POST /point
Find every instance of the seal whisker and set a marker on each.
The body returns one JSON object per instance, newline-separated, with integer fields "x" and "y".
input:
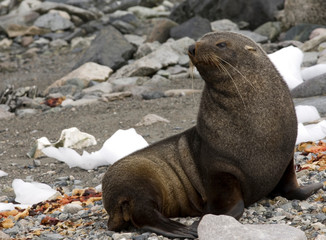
{"x": 237, "y": 72}
{"x": 234, "y": 83}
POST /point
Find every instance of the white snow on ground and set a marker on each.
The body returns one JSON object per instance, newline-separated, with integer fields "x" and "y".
{"x": 119, "y": 145}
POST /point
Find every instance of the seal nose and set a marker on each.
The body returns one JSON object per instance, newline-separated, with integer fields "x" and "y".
{"x": 192, "y": 49}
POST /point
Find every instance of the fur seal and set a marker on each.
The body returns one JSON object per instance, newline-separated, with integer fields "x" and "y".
{"x": 240, "y": 150}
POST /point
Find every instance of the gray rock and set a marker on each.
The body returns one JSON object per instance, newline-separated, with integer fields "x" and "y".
{"x": 319, "y": 102}
{"x": 158, "y": 81}
{"x": 309, "y": 59}
{"x": 270, "y": 29}
{"x": 146, "y": 49}
{"x": 254, "y": 36}
{"x": 235, "y": 10}
{"x": 85, "y": 15}
{"x": 224, "y": 25}
{"x": 194, "y": 28}
{"x": 125, "y": 4}
{"x": 213, "y": 227}
{"x": 313, "y": 87}
{"x": 109, "y": 48}
{"x": 166, "y": 55}
{"x": 53, "y": 21}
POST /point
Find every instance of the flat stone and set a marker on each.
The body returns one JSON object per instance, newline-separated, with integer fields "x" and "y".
{"x": 213, "y": 227}
{"x": 26, "y": 111}
{"x": 15, "y": 30}
{"x": 109, "y": 48}
{"x": 80, "y": 102}
{"x": 88, "y": 72}
{"x": 134, "y": 39}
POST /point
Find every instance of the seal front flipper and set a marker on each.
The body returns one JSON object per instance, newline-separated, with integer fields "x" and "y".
{"x": 156, "y": 222}
{"x": 225, "y": 195}
{"x": 289, "y": 188}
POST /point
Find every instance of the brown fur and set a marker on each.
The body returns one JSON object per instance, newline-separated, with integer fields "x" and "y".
{"x": 240, "y": 151}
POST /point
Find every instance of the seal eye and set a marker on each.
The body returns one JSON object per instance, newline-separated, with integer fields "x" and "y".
{"x": 221, "y": 44}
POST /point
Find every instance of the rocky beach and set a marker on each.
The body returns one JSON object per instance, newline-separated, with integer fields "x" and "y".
{"x": 101, "y": 66}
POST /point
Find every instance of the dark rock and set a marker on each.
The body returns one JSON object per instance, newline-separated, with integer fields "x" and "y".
{"x": 313, "y": 87}
{"x": 194, "y": 28}
{"x": 301, "y": 32}
{"x": 255, "y": 12}
{"x": 56, "y": 35}
{"x": 109, "y": 48}
{"x": 161, "y": 30}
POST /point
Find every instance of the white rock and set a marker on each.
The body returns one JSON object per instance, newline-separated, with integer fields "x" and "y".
{"x": 313, "y": 71}
{"x": 224, "y": 25}
{"x": 89, "y": 71}
{"x": 144, "y": 12}
{"x": 119, "y": 145}
{"x": 3, "y": 174}
{"x": 32, "y": 193}
{"x": 150, "y": 119}
{"x": 288, "y": 61}
{"x": 306, "y": 113}
{"x": 72, "y": 208}
{"x": 222, "y": 227}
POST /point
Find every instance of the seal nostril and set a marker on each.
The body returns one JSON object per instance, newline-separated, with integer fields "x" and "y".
{"x": 192, "y": 50}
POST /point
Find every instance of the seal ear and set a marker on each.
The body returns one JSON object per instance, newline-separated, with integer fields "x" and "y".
{"x": 250, "y": 48}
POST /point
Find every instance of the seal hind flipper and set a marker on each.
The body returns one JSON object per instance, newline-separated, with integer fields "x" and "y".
{"x": 289, "y": 188}
{"x": 152, "y": 220}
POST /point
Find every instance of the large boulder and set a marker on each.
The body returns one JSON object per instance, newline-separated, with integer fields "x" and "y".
{"x": 255, "y": 12}
{"x": 303, "y": 11}
{"x": 109, "y": 48}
